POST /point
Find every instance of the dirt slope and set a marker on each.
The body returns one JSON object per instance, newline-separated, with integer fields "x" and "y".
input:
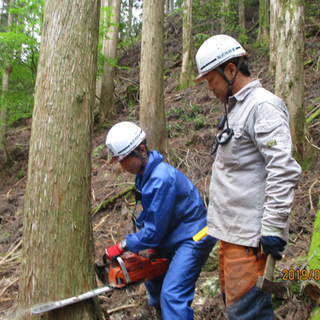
{"x": 191, "y": 116}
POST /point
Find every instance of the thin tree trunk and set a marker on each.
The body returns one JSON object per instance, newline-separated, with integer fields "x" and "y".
{"x": 263, "y": 35}
{"x": 242, "y": 19}
{"x": 110, "y": 52}
{"x": 224, "y": 9}
{"x": 289, "y": 68}
{"x": 129, "y": 19}
{"x": 4, "y": 106}
{"x": 187, "y": 71}
{"x": 273, "y": 38}
{"x": 167, "y": 7}
{"x": 57, "y": 254}
{"x": 152, "y": 113}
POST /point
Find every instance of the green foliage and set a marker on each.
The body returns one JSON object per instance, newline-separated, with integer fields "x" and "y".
{"x": 315, "y": 315}
{"x": 200, "y": 38}
{"x": 136, "y": 23}
{"x": 106, "y": 21}
{"x": 314, "y": 251}
{"x": 212, "y": 262}
{"x": 189, "y": 114}
{"x": 211, "y": 287}
{"x": 20, "y": 175}
{"x": 20, "y": 44}
{"x": 243, "y": 38}
{"x": 4, "y": 237}
{"x": 206, "y": 16}
{"x": 312, "y": 10}
{"x": 97, "y": 150}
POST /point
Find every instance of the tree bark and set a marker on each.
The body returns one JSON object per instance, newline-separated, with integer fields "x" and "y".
{"x": 167, "y": 10}
{"x": 171, "y": 6}
{"x": 109, "y": 49}
{"x": 4, "y": 105}
{"x": 242, "y": 19}
{"x": 129, "y": 19}
{"x": 152, "y": 113}
{"x": 58, "y": 254}
{"x": 224, "y": 10}
{"x": 289, "y": 67}
{"x": 273, "y": 38}
{"x": 187, "y": 71}
{"x": 263, "y": 35}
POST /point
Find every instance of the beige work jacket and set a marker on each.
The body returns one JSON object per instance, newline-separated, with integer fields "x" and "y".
{"x": 254, "y": 175}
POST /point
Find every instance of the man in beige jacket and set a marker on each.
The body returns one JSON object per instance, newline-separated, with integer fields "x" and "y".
{"x": 253, "y": 176}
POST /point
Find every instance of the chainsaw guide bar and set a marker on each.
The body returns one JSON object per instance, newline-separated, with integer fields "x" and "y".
{"x": 58, "y": 304}
{"x": 128, "y": 269}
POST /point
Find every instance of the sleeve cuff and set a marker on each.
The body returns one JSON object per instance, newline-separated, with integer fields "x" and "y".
{"x": 272, "y": 231}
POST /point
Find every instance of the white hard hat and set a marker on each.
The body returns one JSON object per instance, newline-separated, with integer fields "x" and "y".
{"x": 214, "y": 52}
{"x": 123, "y": 138}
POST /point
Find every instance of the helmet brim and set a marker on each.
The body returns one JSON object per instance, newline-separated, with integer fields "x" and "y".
{"x": 200, "y": 78}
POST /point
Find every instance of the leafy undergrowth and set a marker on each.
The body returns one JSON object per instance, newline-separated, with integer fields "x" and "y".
{"x": 192, "y": 116}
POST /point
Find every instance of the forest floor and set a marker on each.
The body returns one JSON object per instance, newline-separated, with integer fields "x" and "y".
{"x": 191, "y": 115}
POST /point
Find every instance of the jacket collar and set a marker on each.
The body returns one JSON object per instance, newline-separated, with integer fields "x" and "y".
{"x": 153, "y": 160}
{"x": 242, "y": 94}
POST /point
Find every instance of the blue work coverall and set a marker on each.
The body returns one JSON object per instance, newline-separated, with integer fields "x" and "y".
{"x": 173, "y": 212}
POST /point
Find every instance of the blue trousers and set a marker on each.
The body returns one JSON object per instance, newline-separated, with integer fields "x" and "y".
{"x": 174, "y": 291}
{"x": 253, "y": 305}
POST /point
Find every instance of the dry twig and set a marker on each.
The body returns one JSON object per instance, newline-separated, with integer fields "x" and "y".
{"x": 10, "y": 284}
{"x": 10, "y": 253}
{"x": 310, "y": 194}
{"x": 101, "y": 222}
{"x": 120, "y": 308}
{"x": 305, "y": 265}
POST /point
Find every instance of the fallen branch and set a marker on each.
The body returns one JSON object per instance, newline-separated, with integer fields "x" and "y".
{"x": 313, "y": 116}
{"x": 111, "y": 200}
{"x": 310, "y": 194}
{"x": 10, "y": 253}
{"x": 10, "y": 284}
{"x": 313, "y": 110}
{"x": 120, "y": 308}
{"x": 305, "y": 265}
{"x": 101, "y": 222}
{"x": 314, "y": 146}
{"x": 10, "y": 261}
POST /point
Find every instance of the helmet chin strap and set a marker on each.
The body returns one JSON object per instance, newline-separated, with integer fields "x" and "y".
{"x": 230, "y": 82}
{"x": 143, "y": 158}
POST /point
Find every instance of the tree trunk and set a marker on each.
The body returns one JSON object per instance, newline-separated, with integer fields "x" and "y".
{"x": 129, "y": 19}
{"x": 263, "y": 35}
{"x": 187, "y": 71}
{"x": 5, "y": 88}
{"x": 224, "y": 10}
{"x": 242, "y": 22}
{"x": 152, "y": 114}
{"x": 171, "y": 6}
{"x": 110, "y": 51}
{"x": 273, "y": 38}
{"x": 289, "y": 68}
{"x": 58, "y": 256}
{"x": 167, "y": 7}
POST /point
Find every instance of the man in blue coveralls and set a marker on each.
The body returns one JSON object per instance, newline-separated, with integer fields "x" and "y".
{"x": 173, "y": 212}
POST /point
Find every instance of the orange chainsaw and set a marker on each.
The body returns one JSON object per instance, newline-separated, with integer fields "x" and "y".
{"x": 127, "y": 269}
